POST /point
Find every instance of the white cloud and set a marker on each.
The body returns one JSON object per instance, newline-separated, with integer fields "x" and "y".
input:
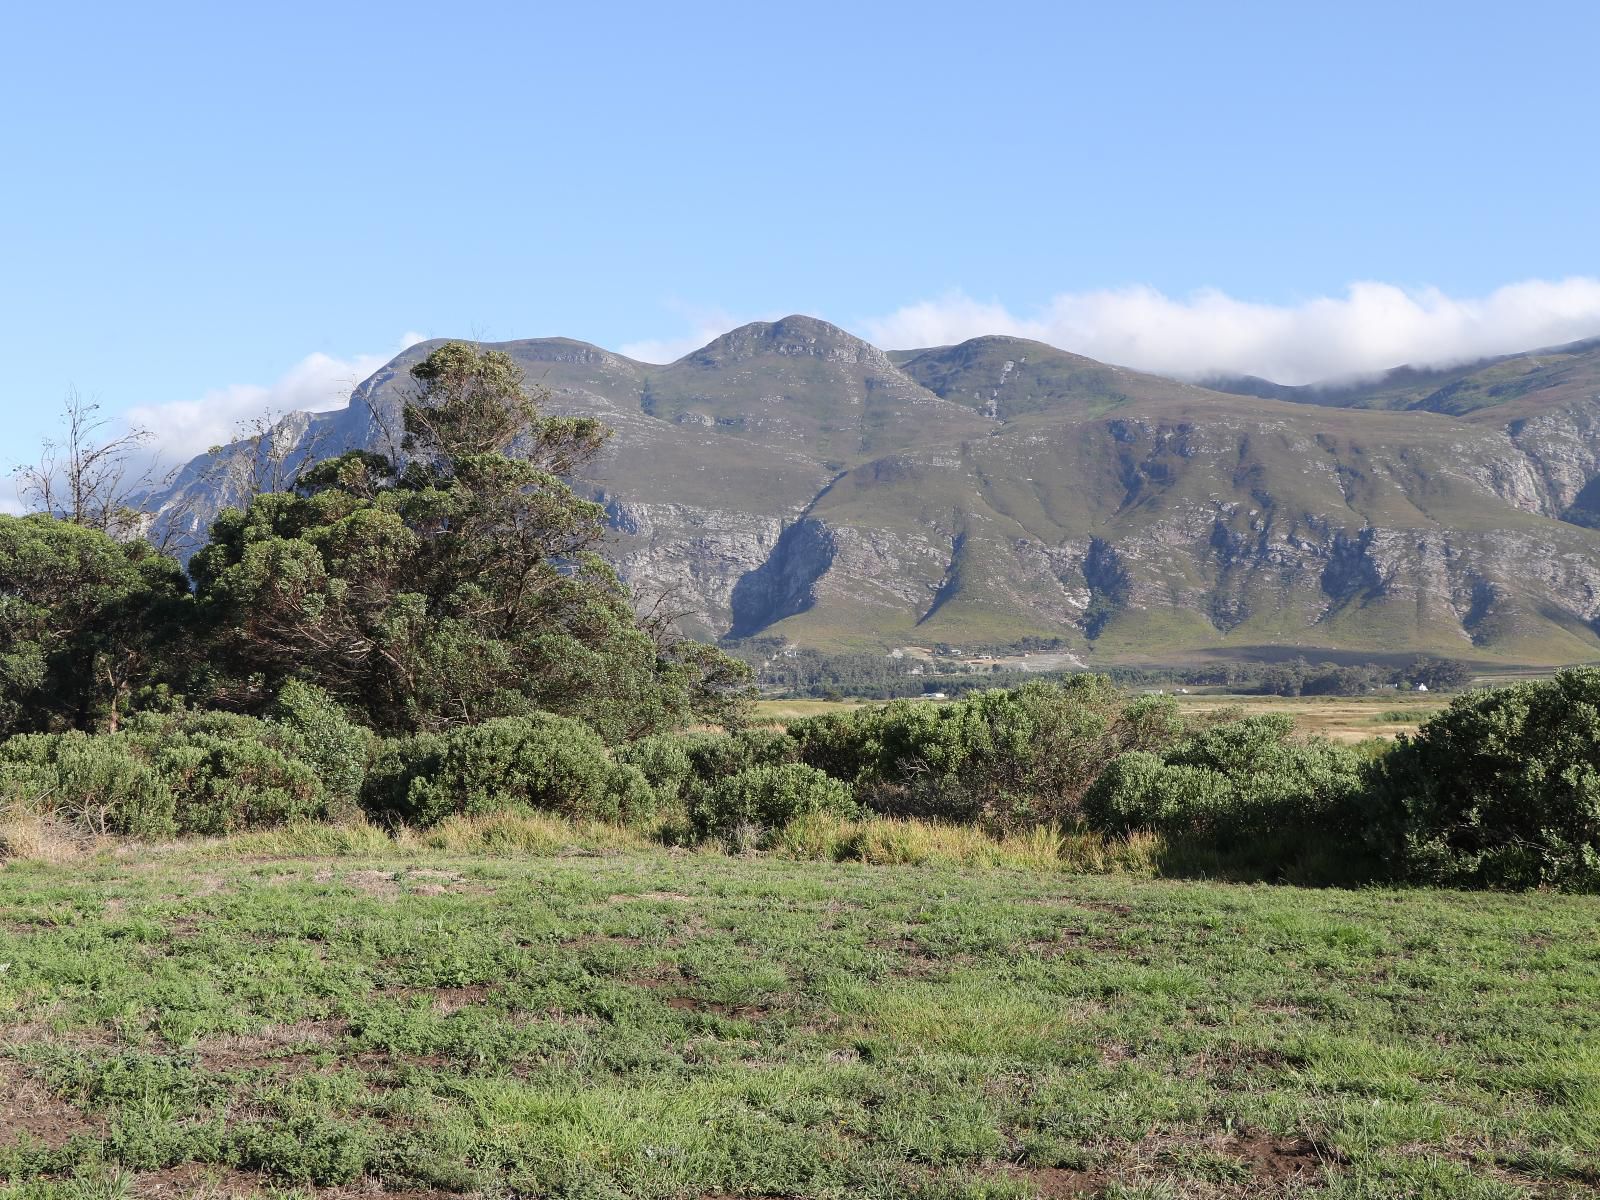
{"x": 12, "y": 507}
{"x": 182, "y": 429}
{"x": 1372, "y": 327}
{"x": 705, "y": 325}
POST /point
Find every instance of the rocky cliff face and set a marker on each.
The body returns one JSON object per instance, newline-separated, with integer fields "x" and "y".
{"x": 790, "y": 479}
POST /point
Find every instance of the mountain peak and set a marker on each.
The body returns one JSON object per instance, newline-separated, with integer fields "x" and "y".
{"x": 795, "y": 336}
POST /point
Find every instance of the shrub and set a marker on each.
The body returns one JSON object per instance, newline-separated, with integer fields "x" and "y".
{"x": 228, "y": 772}
{"x": 1005, "y": 758}
{"x": 662, "y": 759}
{"x": 629, "y": 794}
{"x": 682, "y": 767}
{"x": 99, "y": 783}
{"x": 399, "y": 775}
{"x": 714, "y": 757}
{"x": 167, "y": 773}
{"x": 1243, "y": 789}
{"x": 544, "y": 762}
{"x": 327, "y": 739}
{"x": 1502, "y": 789}
{"x": 760, "y": 800}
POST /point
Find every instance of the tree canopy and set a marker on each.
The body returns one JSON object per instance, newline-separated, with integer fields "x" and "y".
{"x": 84, "y": 619}
{"x": 457, "y": 584}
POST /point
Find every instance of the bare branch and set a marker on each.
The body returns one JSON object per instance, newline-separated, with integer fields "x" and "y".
{"x": 89, "y": 478}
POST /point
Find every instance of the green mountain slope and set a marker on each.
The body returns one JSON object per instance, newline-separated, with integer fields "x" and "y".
{"x": 790, "y": 479}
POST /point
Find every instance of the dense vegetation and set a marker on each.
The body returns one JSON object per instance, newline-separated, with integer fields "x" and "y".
{"x": 452, "y": 582}
{"x": 430, "y": 635}
{"x": 1498, "y": 790}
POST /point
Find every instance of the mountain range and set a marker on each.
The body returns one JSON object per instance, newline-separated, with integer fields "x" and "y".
{"x": 794, "y": 481}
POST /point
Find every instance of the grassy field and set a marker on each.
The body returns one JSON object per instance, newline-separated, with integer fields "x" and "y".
{"x": 266, "y": 1014}
{"x": 1342, "y": 718}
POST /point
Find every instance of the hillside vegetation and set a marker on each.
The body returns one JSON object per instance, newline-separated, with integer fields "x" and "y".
{"x": 431, "y": 635}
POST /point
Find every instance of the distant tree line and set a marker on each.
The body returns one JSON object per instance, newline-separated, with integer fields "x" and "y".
{"x": 801, "y": 671}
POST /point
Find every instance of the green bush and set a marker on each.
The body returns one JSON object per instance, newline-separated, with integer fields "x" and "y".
{"x": 166, "y": 774}
{"x": 544, "y": 762}
{"x": 399, "y": 778}
{"x": 682, "y": 767}
{"x": 759, "y": 801}
{"x": 662, "y": 759}
{"x": 714, "y": 757}
{"x": 327, "y": 739}
{"x": 229, "y": 772}
{"x": 1502, "y": 789}
{"x": 100, "y": 783}
{"x": 1242, "y": 789}
{"x": 1003, "y": 758}
{"x": 629, "y": 794}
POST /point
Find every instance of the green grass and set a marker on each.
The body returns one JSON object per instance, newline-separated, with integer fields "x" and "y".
{"x": 581, "y": 1015}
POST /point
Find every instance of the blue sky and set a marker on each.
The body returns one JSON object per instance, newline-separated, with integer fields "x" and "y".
{"x": 209, "y": 208}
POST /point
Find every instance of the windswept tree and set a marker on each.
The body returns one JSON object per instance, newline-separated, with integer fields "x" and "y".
{"x": 455, "y": 585}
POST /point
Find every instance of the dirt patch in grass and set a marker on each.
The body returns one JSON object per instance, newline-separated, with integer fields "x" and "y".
{"x": 657, "y": 977}
{"x": 33, "y": 1033}
{"x": 1271, "y": 1159}
{"x": 588, "y": 941}
{"x": 739, "y": 1012}
{"x": 443, "y": 999}
{"x": 673, "y": 897}
{"x": 28, "y": 1112}
{"x": 1054, "y": 1183}
{"x": 269, "y": 1047}
{"x": 198, "y": 1179}
{"x": 390, "y": 885}
{"x": 1070, "y": 939}
{"x": 215, "y": 1183}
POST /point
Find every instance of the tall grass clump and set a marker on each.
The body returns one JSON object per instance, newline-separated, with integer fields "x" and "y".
{"x": 896, "y": 841}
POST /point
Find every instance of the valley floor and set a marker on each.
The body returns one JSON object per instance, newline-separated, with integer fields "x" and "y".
{"x": 1342, "y": 718}
{"x": 228, "y": 1019}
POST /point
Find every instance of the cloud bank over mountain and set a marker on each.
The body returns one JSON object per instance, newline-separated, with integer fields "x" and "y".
{"x": 1372, "y": 327}
{"x": 182, "y": 429}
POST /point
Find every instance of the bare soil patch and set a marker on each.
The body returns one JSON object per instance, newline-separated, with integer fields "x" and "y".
{"x": 1271, "y": 1159}
{"x": 1055, "y": 1183}
{"x": 29, "y": 1112}
{"x": 443, "y": 999}
{"x": 390, "y": 885}
{"x": 269, "y": 1047}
